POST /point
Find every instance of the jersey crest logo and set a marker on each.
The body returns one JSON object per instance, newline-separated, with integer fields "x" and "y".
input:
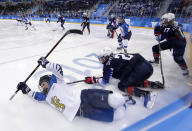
{"x": 56, "y": 102}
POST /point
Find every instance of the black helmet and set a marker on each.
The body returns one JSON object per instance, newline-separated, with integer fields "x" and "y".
{"x": 45, "y": 78}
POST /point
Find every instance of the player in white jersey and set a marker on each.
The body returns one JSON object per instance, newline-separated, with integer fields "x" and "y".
{"x": 96, "y": 104}
{"x": 125, "y": 34}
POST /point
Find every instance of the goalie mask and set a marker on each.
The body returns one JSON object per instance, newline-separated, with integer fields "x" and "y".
{"x": 104, "y": 55}
{"x": 43, "y": 87}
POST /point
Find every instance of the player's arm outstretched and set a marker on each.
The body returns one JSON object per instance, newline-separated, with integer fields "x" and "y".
{"x": 56, "y": 69}
{"x": 56, "y": 77}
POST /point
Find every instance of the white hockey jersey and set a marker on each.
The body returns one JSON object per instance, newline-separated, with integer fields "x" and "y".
{"x": 60, "y": 96}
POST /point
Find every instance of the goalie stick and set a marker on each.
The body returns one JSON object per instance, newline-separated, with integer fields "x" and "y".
{"x": 67, "y": 33}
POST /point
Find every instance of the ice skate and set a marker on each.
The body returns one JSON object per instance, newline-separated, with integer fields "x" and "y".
{"x": 120, "y": 47}
{"x": 149, "y": 99}
{"x": 129, "y": 100}
{"x": 185, "y": 73}
{"x": 156, "y": 85}
{"x": 155, "y": 62}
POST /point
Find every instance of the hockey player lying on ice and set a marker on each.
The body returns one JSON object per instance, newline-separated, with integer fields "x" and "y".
{"x": 96, "y": 104}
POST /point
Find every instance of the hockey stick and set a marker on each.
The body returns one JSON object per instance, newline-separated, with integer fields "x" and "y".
{"x": 56, "y": 28}
{"x": 81, "y": 81}
{"x": 161, "y": 65}
{"x": 68, "y": 32}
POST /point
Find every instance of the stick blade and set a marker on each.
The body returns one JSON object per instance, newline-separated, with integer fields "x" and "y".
{"x": 76, "y": 31}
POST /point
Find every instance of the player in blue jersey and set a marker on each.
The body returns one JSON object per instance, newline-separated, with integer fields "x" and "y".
{"x": 125, "y": 34}
{"x": 170, "y": 31}
{"x": 85, "y": 22}
{"x": 28, "y": 24}
{"x": 62, "y": 20}
{"x": 96, "y": 104}
{"x": 132, "y": 70}
{"x": 110, "y": 26}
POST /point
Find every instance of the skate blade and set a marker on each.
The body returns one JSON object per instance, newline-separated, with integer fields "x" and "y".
{"x": 151, "y": 103}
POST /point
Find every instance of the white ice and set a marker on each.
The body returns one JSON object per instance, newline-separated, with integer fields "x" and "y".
{"x": 20, "y": 50}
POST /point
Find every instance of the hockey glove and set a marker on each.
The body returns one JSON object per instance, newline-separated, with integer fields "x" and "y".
{"x": 23, "y": 87}
{"x": 83, "y": 23}
{"x": 43, "y": 62}
{"x": 91, "y": 80}
{"x": 158, "y": 37}
{"x": 114, "y": 27}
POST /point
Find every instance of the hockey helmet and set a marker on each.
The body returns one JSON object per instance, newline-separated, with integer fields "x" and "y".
{"x": 121, "y": 19}
{"x": 45, "y": 78}
{"x": 84, "y": 14}
{"x": 167, "y": 19}
{"x": 112, "y": 16}
{"x": 104, "y": 54}
{"x": 171, "y": 16}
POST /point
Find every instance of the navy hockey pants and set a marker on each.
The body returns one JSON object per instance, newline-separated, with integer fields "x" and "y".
{"x": 137, "y": 76}
{"x": 178, "y": 50}
{"x": 94, "y": 105}
{"x": 88, "y": 27}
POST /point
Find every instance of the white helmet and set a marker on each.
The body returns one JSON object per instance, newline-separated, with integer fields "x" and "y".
{"x": 112, "y": 15}
{"x": 84, "y": 14}
{"x": 167, "y": 18}
{"x": 104, "y": 54}
{"x": 171, "y": 16}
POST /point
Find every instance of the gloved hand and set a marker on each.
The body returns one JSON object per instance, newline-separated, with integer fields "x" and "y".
{"x": 83, "y": 23}
{"x": 91, "y": 80}
{"x": 23, "y": 87}
{"x": 108, "y": 26}
{"x": 114, "y": 27}
{"x": 43, "y": 61}
{"x": 158, "y": 37}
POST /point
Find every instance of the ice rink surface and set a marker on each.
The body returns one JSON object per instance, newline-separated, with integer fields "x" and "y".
{"x": 20, "y": 49}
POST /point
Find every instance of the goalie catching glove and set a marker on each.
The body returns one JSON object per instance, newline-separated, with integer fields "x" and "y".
{"x": 23, "y": 87}
{"x": 91, "y": 80}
